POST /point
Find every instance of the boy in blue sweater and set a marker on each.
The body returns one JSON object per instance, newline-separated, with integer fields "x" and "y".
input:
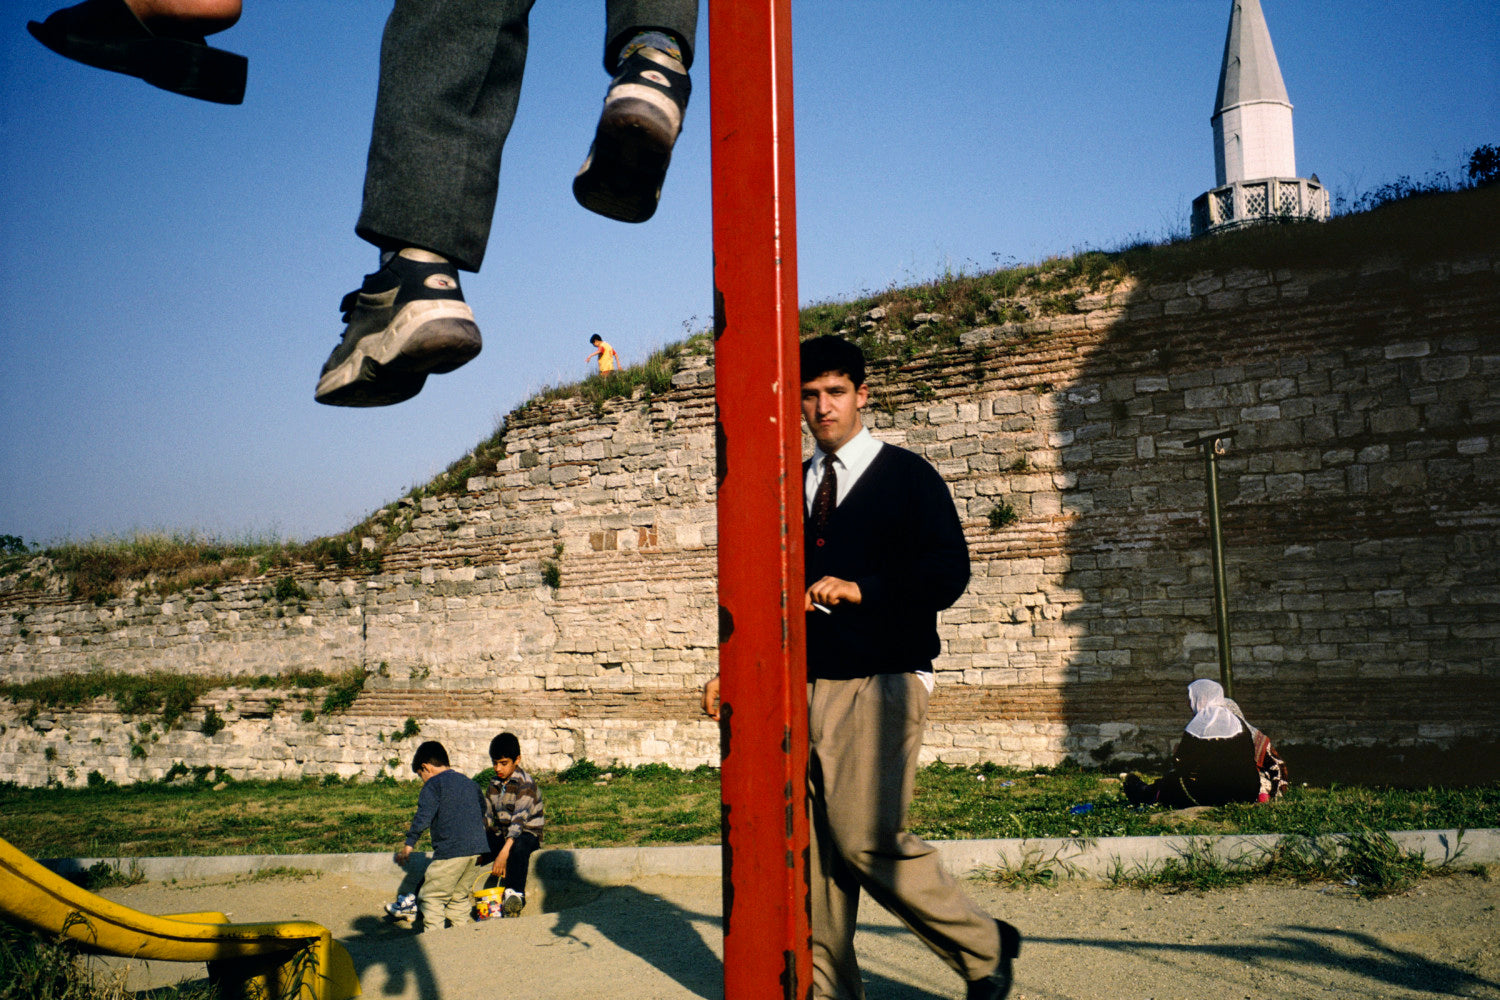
{"x": 451, "y": 805}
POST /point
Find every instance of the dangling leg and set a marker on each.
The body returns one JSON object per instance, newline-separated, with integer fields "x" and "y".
{"x": 450, "y": 78}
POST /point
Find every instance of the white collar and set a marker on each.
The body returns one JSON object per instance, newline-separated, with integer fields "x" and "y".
{"x": 855, "y": 455}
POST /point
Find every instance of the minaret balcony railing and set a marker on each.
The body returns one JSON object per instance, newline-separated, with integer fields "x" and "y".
{"x": 1269, "y": 199}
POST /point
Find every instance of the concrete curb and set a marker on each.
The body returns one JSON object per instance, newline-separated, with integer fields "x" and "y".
{"x": 622, "y": 865}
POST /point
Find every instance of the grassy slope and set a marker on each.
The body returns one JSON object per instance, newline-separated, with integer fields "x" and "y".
{"x": 1413, "y": 230}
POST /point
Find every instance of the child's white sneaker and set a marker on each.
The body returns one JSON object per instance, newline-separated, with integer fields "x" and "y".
{"x": 405, "y": 907}
{"x": 512, "y": 903}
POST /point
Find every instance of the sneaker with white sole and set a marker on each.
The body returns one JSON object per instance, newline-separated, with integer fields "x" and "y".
{"x": 512, "y": 903}
{"x": 404, "y": 907}
{"x": 622, "y": 175}
{"x": 408, "y": 320}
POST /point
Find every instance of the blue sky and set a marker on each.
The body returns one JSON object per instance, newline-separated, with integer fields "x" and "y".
{"x": 173, "y": 269}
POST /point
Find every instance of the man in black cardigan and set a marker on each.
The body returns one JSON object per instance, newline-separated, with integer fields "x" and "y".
{"x": 884, "y": 553}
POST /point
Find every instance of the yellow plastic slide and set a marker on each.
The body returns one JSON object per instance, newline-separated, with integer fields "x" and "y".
{"x": 291, "y": 961}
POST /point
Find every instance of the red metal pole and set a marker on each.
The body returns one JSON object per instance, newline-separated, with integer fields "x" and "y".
{"x": 762, "y": 659}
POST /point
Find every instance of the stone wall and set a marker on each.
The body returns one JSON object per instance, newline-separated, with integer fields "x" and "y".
{"x": 1360, "y": 497}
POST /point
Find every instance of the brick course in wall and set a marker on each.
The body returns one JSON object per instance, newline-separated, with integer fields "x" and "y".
{"x": 1360, "y": 497}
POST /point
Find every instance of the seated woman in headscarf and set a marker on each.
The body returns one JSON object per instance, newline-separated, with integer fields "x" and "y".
{"x": 1221, "y": 758}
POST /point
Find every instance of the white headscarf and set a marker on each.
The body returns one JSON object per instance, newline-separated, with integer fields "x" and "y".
{"x": 1213, "y": 716}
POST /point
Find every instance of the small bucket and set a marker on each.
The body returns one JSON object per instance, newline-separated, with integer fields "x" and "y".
{"x": 487, "y": 903}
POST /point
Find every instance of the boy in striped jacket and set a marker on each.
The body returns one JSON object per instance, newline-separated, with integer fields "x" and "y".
{"x": 513, "y": 818}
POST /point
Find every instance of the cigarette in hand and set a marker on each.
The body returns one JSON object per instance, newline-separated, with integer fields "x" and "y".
{"x": 822, "y": 607}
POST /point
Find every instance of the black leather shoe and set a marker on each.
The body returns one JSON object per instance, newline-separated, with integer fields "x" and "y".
{"x": 107, "y": 34}
{"x": 996, "y": 986}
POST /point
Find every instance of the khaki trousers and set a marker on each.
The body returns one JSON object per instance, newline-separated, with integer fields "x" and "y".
{"x": 445, "y": 893}
{"x": 864, "y": 735}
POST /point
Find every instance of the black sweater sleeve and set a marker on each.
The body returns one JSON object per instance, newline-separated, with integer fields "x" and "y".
{"x": 932, "y": 568}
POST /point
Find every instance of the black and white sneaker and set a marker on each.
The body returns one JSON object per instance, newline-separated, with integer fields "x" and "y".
{"x": 408, "y": 320}
{"x": 404, "y": 908}
{"x": 622, "y": 175}
{"x": 512, "y": 903}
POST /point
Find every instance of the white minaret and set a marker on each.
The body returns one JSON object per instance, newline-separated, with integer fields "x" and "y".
{"x": 1252, "y": 116}
{"x": 1255, "y": 158}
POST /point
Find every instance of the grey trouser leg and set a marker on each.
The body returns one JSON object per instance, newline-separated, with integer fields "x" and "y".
{"x": 864, "y": 736}
{"x": 450, "y": 78}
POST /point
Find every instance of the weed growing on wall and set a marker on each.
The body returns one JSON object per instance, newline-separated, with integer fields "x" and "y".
{"x": 552, "y": 568}
{"x": 166, "y": 696}
{"x": 288, "y": 589}
{"x": 1003, "y": 515}
{"x": 344, "y": 690}
{"x": 213, "y": 722}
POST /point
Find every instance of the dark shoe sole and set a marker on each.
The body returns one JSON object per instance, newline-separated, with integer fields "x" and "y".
{"x": 627, "y": 164}
{"x": 106, "y": 35}
{"x": 431, "y": 336}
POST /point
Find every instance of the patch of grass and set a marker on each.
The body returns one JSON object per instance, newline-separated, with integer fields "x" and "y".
{"x": 481, "y": 461}
{"x": 279, "y": 872}
{"x": 1416, "y": 222}
{"x": 1375, "y": 865}
{"x": 581, "y": 770}
{"x": 592, "y": 805}
{"x": 652, "y": 377}
{"x": 1369, "y": 863}
{"x": 1337, "y": 808}
{"x": 103, "y": 875}
{"x": 1422, "y": 220}
{"x": 95, "y": 570}
{"x": 40, "y": 967}
{"x": 1035, "y": 868}
{"x": 990, "y": 801}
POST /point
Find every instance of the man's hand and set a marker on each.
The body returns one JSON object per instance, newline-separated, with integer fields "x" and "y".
{"x": 711, "y": 698}
{"x": 498, "y": 868}
{"x": 831, "y": 591}
{"x": 403, "y": 854}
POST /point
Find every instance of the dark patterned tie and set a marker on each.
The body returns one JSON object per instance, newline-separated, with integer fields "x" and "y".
{"x": 823, "y": 500}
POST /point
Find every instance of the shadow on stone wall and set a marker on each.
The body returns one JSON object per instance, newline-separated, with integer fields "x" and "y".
{"x": 1359, "y": 506}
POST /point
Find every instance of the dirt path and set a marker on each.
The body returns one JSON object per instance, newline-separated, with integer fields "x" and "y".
{"x": 659, "y": 939}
